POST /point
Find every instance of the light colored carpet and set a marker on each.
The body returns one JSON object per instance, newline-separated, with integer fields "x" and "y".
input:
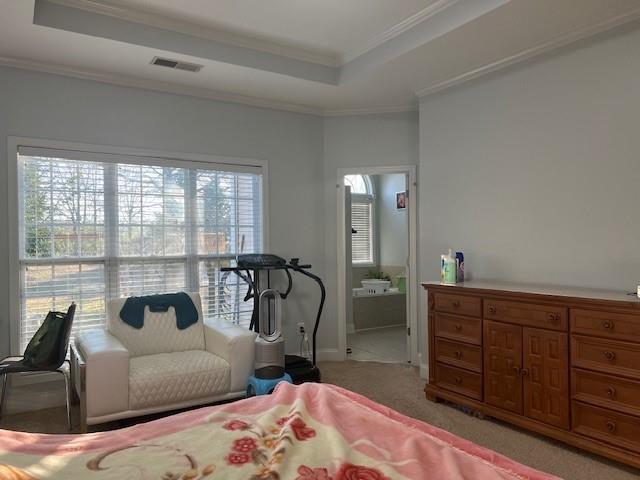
{"x": 399, "y": 387}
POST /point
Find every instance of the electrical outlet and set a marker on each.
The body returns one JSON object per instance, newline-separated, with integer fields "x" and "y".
{"x": 301, "y": 329}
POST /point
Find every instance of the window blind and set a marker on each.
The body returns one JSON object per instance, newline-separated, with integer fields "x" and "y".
{"x": 96, "y": 229}
{"x": 362, "y": 240}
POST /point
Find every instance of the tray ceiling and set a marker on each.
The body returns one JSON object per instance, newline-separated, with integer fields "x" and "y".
{"x": 330, "y": 57}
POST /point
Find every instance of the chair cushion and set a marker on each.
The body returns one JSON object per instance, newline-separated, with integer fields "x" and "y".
{"x": 159, "y": 334}
{"x": 167, "y": 378}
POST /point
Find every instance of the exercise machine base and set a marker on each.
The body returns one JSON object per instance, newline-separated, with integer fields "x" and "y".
{"x": 301, "y": 370}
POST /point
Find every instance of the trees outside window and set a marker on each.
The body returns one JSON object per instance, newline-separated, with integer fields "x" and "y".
{"x": 90, "y": 231}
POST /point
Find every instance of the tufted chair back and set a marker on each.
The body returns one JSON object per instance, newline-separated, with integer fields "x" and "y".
{"x": 159, "y": 333}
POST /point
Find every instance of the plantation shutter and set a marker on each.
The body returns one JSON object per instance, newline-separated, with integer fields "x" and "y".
{"x": 95, "y": 227}
{"x": 362, "y": 240}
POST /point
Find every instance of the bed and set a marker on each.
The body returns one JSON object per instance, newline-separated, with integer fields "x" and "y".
{"x": 305, "y": 432}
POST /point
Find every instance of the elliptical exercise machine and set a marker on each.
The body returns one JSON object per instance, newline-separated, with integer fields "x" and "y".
{"x": 266, "y": 316}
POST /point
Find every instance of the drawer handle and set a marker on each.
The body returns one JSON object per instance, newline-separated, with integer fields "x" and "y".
{"x": 609, "y": 355}
{"x": 554, "y": 317}
{"x": 524, "y": 372}
{"x": 608, "y": 324}
{"x": 611, "y": 392}
{"x": 458, "y": 380}
{"x": 611, "y": 426}
{"x": 458, "y": 354}
{"x": 492, "y": 309}
{"x": 458, "y": 327}
{"x": 456, "y": 304}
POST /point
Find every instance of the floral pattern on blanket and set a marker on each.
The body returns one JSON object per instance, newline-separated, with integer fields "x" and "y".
{"x": 257, "y": 454}
{"x": 266, "y": 448}
{"x": 308, "y": 432}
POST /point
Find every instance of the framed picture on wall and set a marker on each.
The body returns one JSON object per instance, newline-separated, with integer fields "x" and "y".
{"x": 401, "y": 200}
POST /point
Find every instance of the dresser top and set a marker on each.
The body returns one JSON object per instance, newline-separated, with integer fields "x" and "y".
{"x": 487, "y": 286}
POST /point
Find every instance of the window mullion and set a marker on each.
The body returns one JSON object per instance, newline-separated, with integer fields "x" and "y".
{"x": 51, "y": 209}
{"x": 111, "y": 230}
{"x": 191, "y": 234}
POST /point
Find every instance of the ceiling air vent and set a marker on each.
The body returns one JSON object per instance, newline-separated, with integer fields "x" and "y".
{"x": 176, "y": 65}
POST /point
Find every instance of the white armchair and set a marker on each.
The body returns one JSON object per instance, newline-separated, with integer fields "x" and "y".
{"x": 122, "y": 372}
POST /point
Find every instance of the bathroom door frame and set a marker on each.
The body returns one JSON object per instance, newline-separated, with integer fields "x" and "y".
{"x": 412, "y": 260}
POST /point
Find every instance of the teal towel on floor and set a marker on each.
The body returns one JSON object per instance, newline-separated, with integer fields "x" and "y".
{"x": 132, "y": 312}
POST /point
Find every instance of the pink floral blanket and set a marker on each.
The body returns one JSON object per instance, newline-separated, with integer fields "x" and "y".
{"x": 306, "y": 432}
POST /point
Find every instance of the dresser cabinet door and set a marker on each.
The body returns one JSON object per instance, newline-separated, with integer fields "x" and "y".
{"x": 545, "y": 374}
{"x": 502, "y": 365}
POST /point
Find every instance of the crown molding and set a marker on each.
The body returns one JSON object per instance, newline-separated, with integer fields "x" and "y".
{"x": 136, "y": 82}
{"x": 259, "y": 44}
{"x": 209, "y": 94}
{"x": 398, "y": 29}
{"x": 190, "y": 28}
{"x": 563, "y": 40}
{"x": 371, "y": 110}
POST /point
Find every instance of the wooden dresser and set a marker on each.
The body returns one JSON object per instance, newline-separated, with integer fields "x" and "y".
{"x": 561, "y": 362}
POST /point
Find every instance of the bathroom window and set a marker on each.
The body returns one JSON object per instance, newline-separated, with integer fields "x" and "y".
{"x": 362, "y": 219}
{"x": 360, "y": 184}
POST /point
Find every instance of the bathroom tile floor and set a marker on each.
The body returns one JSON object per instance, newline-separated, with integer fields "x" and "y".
{"x": 386, "y": 345}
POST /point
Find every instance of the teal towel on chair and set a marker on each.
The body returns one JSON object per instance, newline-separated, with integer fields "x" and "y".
{"x": 132, "y": 312}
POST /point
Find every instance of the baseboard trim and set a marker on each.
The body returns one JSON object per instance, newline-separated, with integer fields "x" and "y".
{"x": 424, "y": 368}
{"x": 362, "y": 330}
{"x": 329, "y": 355}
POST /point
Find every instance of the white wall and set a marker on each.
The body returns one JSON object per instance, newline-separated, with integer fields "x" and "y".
{"x": 49, "y": 106}
{"x": 393, "y": 224}
{"x": 303, "y": 211}
{"x": 535, "y": 173}
{"x": 359, "y": 141}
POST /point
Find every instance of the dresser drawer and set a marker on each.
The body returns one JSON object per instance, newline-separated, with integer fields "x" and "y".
{"x": 463, "y": 329}
{"x": 460, "y": 381}
{"x": 606, "y": 324}
{"x": 609, "y": 356}
{"x": 458, "y": 304}
{"x": 459, "y": 354}
{"x": 606, "y": 391}
{"x": 602, "y": 424}
{"x": 528, "y": 314}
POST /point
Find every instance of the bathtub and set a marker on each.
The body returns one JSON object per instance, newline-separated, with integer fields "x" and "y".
{"x": 378, "y": 310}
{"x": 361, "y": 292}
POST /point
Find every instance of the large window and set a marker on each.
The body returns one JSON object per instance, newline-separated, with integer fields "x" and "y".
{"x": 94, "y": 228}
{"x": 362, "y": 219}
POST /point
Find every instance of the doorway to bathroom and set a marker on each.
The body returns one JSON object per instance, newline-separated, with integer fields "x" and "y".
{"x": 376, "y": 270}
